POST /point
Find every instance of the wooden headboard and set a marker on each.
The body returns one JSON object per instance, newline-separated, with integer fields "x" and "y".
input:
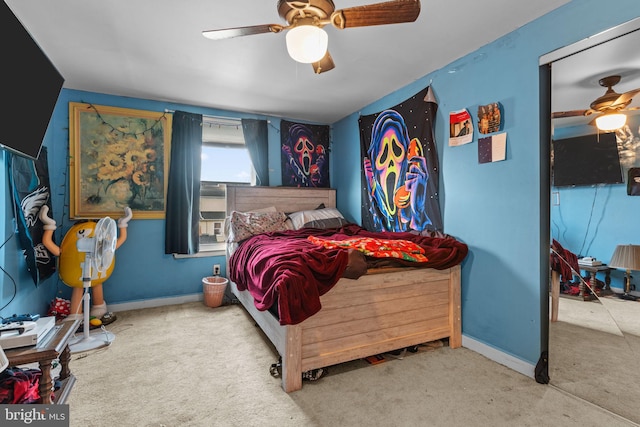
{"x": 285, "y": 199}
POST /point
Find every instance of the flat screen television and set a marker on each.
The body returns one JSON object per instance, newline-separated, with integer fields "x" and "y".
{"x": 586, "y": 160}
{"x": 29, "y": 90}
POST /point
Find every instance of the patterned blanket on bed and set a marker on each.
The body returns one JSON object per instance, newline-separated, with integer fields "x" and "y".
{"x": 287, "y": 269}
{"x": 377, "y": 248}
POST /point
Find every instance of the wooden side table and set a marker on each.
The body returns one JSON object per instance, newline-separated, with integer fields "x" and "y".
{"x": 54, "y": 345}
{"x": 593, "y": 270}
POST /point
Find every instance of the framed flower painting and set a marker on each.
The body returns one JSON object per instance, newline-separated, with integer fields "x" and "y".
{"x": 119, "y": 157}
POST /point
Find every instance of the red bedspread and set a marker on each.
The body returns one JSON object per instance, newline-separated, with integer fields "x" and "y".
{"x": 377, "y": 248}
{"x": 285, "y": 267}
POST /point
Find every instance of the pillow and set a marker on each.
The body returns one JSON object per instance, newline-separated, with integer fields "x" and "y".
{"x": 227, "y": 222}
{"x": 246, "y": 224}
{"x": 318, "y": 218}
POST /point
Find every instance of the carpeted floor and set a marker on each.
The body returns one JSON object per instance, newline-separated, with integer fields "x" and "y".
{"x": 190, "y": 365}
{"x": 594, "y": 350}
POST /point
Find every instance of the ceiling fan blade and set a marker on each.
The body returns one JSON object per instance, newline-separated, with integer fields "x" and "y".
{"x": 228, "y": 33}
{"x": 390, "y": 12}
{"x": 571, "y": 113}
{"x": 325, "y": 64}
{"x": 624, "y": 98}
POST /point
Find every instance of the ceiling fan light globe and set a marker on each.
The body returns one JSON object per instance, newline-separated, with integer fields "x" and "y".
{"x": 307, "y": 43}
{"x": 612, "y": 121}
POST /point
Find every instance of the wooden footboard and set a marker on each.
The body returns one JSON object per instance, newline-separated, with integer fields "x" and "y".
{"x": 379, "y": 312}
{"x": 384, "y": 310}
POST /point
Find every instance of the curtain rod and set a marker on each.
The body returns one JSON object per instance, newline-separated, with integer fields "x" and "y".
{"x": 218, "y": 120}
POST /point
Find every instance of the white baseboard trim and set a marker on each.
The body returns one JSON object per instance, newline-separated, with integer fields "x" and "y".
{"x": 518, "y": 365}
{"x": 157, "y": 302}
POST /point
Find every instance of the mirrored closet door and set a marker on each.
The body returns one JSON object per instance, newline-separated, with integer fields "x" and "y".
{"x": 594, "y": 344}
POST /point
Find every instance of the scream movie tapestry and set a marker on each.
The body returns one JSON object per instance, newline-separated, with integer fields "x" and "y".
{"x": 305, "y": 157}
{"x": 30, "y": 191}
{"x": 400, "y": 165}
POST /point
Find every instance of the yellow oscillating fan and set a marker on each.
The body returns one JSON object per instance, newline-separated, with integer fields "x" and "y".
{"x": 99, "y": 251}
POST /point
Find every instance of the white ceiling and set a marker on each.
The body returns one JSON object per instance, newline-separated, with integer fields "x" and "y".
{"x": 575, "y": 78}
{"x": 154, "y": 49}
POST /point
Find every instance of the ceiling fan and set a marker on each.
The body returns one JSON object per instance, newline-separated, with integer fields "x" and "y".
{"x": 609, "y": 107}
{"x": 307, "y": 41}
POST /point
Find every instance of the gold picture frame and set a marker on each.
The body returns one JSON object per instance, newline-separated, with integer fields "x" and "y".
{"x": 119, "y": 157}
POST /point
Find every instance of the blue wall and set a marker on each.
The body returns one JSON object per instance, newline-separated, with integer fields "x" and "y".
{"x": 143, "y": 271}
{"x": 495, "y": 208}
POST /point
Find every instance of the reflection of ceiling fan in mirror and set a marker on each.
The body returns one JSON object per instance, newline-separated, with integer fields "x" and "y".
{"x": 609, "y": 107}
{"x": 307, "y": 41}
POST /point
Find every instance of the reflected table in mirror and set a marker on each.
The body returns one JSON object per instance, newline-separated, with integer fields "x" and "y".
{"x": 584, "y": 294}
{"x": 593, "y": 270}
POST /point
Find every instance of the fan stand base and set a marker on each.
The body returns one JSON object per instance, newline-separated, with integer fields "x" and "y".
{"x": 88, "y": 340}
{"x": 97, "y": 339}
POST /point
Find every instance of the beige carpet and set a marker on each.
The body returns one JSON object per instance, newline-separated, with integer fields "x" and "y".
{"x": 592, "y": 358}
{"x": 190, "y": 365}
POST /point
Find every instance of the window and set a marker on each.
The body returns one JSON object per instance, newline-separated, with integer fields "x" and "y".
{"x": 225, "y": 160}
{"x": 226, "y": 163}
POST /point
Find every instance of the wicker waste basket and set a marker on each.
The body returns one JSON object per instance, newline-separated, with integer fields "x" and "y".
{"x": 213, "y": 288}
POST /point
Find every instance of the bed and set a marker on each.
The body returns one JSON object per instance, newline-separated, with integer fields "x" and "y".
{"x": 384, "y": 310}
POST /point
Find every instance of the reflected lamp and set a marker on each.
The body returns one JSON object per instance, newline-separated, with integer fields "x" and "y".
{"x": 626, "y": 257}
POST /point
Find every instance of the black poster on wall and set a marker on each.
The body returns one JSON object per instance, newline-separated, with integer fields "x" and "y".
{"x": 29, "y": 181}
{"x": 305, "y": 154}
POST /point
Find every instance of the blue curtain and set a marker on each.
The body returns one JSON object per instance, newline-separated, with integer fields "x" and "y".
{"x": 256, "y": 141}
{"x": 183, "y": 188}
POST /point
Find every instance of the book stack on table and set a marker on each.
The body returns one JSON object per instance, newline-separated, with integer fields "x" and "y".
{"x": 589, "y": 262}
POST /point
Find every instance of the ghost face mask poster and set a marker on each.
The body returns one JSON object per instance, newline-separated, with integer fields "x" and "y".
{"x": 305, "y": 158}
{"x": 400, "y": 167}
